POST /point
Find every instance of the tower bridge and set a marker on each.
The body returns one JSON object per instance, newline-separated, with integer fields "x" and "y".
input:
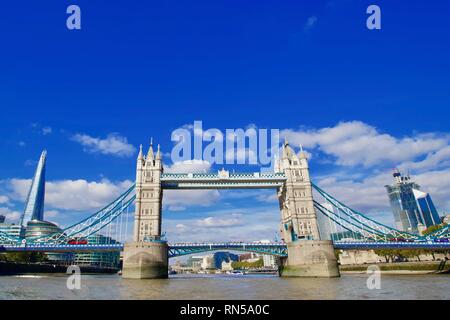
{"x": 304, "y": 251}
{"x": 307, "y": 254}
{"x": 187, "y": 248}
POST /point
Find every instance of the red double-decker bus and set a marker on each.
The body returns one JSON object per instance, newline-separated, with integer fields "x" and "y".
{"x": 77, "y": 241}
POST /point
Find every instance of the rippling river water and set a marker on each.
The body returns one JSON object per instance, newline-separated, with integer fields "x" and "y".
{"x": 226, "y": 287}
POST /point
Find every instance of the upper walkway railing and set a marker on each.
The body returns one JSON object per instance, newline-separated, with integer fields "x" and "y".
{"x": 222, "y": 180}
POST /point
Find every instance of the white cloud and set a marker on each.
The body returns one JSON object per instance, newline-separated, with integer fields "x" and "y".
{"x": 176, "y": 208}
{"x": 76, "y": 195}
{"x": 178, "y": 200}
{"x": 11, "y": 216}
{"x": 310, "y": 23}
{"x": 30, "y": 163}
{"x": 220, "y": 225}
{"x": 46, "y": 130}
{"x": 356, "y": 143}
{"x": 4, "y": 200}
{"x": 241, "y": 155}
{"x": 113, "y": 144}
{"x": 268, "y": 197}
{"x": 367, "y": 195}
{"x": 437, "y": 159}
{"x": 188, "y": 166}
{"x": 51, "y": 214}
{"x": 212, "y": 222}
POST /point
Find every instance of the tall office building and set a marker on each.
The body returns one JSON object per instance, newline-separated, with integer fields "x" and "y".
{"x": 410, "y": 206}
{"x": 427, "y": 209}
{"x": 34, "y": 208}
{"x": 2, "y": 219}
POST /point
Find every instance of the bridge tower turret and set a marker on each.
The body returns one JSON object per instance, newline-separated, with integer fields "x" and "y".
{"x": 308, "y": 256}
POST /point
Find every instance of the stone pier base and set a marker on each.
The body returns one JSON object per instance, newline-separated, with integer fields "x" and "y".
{"x": 145, "y": 260}
{"x": 310, "y": 258}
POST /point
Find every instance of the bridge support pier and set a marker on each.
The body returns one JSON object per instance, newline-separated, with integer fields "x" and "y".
{"x": 310, "y": 258}
{"x": 145, "y": 260}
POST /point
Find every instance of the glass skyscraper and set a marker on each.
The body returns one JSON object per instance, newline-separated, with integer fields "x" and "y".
{"x": 34, "y": 208}
{"x": 427, "y": 209}
{"x": 410, "y": 206}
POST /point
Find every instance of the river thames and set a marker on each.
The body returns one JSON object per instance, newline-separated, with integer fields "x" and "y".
{"x": 248, "y": 287}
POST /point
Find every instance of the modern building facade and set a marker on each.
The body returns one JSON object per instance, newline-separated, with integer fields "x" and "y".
{"x": 100, "y": 259}
{"x": 36, "y": 229}
{"x": 410, "y": 206}
{"x": 12, "y": 229}
{"x": 427, "y": 210}
{"x": 195, "y": 262}
{"x": 270, "y": 261}
{"x": 208, "y": 262}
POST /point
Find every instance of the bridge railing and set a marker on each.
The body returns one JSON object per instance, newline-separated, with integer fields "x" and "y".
{"x": 216, "y": 176}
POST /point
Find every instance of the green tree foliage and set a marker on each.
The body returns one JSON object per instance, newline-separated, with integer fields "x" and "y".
{"x": 386, "y": 253}
{"x": 25, "y": 257}
{"x": 433, "y": 229}
{"x": 240, "y": 265}
{"x": 391, "y": 255}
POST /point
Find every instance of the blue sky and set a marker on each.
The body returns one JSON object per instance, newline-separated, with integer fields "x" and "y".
{"x": 361, "y": 101}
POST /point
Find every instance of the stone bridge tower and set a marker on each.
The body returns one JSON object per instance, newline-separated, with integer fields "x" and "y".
{"x": 147, "y": 256}
{"x": 298, "y": 216}
{"x": 147, "y": 217}
{"x": 308, "y": 256}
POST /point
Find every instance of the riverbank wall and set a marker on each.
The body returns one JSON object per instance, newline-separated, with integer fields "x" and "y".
{"x": 426, "y": 267}
{"x": 11, "y": 268}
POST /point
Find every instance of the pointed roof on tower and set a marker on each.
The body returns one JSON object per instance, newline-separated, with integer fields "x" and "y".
{"x": 140, "y": 155}
{"x": 302, "y": 154}
{"x": 158, "y": 153}
{"x": 150, "y": 155}
{"x": 287, "y": 150}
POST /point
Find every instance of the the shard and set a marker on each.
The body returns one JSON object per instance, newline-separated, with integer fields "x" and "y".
{"x": 34, "y": 208}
